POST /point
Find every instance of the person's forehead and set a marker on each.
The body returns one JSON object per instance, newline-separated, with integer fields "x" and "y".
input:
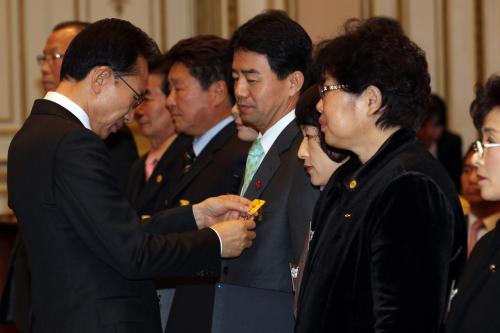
{"x": 248, "y": 60}
{"x": 59, "y": 40}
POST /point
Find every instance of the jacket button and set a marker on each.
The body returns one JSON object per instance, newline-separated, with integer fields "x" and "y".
{"x": 347, "y": 215}
{"x": 225, "y": 270}
{"x": 166, "y": 203}
{"x": 493, "y": 268}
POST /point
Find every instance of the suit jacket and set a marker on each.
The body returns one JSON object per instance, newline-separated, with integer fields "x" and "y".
{"x": 255, "y": 292}
{"x": 475, "y": 306}
{"x": 123, "y": 153}
{"x": 217, "y": 170}
{"x": 90, "y": 256}
{"x": 449, "y": 153}
{"x": 145, "y": 196}
{"x": 384, "y": 241}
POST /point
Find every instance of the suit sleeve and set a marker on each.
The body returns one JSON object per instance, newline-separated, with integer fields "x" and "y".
{"x": 93, "y": 204}
{"x": 410, "y": 246}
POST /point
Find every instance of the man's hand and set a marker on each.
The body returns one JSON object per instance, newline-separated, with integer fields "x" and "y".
{"x": 235, "y": 236}
{"x": 218, "y": 209}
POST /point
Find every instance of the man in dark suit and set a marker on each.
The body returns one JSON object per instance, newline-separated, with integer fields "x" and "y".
{"x": 162, "y": 165}
{"x": 271, "y": 62}
{"x": 439, "y": 141}
{"x": 121, "y": 146}
{"x": 90, "y": 256}
{"x": 200, "y": 101}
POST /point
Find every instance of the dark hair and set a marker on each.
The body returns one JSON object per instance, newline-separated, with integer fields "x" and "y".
{"x": 307, "y": 115}
{"x": 110, "y": 42}
{"x": 487, "y": 97}
{"x": 208, "y": 59}
{"x": 78, "y": 25}
{"x": 436, "y": 108}
{"x": 286, "y": 45}
{"x": 377, "y": 52}
{"x": 159, "y": 65}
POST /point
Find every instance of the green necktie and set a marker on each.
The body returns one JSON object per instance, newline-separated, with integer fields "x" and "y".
{"x": 254, "y": 156}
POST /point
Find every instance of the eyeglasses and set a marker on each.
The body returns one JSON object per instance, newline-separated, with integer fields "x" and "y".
{"x": 139, "y": 98}
{"x": 41, "y": 58}
{"x": 323, "y": 90}
{"x": 480, "y": 147}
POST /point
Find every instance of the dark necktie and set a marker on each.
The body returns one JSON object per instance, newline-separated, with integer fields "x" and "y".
{"x": 189, "y": 158}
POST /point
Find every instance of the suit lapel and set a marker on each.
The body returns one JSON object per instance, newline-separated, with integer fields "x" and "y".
{"x": 204, "y": 158}
{"x": 271, "y": 161}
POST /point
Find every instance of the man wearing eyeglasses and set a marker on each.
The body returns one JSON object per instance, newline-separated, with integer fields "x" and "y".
{"x": 91, "y": 257}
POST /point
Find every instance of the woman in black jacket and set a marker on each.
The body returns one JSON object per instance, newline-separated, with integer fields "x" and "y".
{"x": 476, "y": 305}
{"x": 379, "y": 259}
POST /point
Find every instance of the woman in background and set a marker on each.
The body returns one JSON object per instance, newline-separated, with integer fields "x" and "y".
{"x": 476, "y": 305}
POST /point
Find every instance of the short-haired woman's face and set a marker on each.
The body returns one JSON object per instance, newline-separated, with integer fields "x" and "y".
{"x": 340, "y": 121}
{"x": 489, "y": 166}
{"x": 316, "y": 162}
{"x": 245, "y": 133}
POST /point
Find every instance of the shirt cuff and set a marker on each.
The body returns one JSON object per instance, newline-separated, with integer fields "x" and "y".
{"x": 220, "y": 240}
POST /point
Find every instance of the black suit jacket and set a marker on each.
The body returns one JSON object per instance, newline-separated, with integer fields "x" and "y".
{"x": 17, "y": 302}
{"x": 217, "y": 170}
{"x": 475, "y": 306}
{"x": 145, "y": 196}
{"x": 449, "y": 153}
{"x": 255, "y": 292}
{"x": 90, "y": 256}
{"x": 383, "y": 246}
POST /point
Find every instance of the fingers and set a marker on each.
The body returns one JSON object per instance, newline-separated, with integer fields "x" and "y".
{"x": 235, "y": 202}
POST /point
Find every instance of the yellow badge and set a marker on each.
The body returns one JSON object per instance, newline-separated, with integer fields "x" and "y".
{"x": 353, "y": 184}
{"x": 159, "y": 179}
{"x": 183, "y": 202}
{"x": 145, "y": 216}
{"x": 255, "y": 206}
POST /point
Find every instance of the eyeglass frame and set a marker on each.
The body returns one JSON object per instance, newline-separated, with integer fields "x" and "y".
{"x": 331, "y": 87}
{"x": 41, "y": 58}
{"x": 139, "y": 98}
{"x": 480, "y": 147}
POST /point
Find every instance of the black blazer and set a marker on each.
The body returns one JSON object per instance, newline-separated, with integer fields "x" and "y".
{"x": 123, "y": 153}
{"x": 475, "y": 306}
{"x": 217, "y": 170}
{"x": 90, "y": 256}
{"x": 145, "y": 196}
{"x": 255, "y": 293}
{"x": 449, "y": 153}
{"x": 384, "y": 239}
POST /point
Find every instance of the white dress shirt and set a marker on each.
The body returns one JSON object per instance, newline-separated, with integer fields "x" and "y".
{"x": 69, "y": 105}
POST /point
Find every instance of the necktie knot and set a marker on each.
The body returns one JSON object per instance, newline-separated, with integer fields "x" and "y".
{"x": 150, "y": 165}
{"x": 475, "y": 228}
{"x": 253, "y": 160}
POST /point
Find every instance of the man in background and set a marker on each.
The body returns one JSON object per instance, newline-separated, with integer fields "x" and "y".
{"x": 200, "y": 101}
{"x": 439, "y": 141}
{"x": 160, "y": 167}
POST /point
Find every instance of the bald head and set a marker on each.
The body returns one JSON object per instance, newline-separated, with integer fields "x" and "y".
{"x": 55, "y": 47}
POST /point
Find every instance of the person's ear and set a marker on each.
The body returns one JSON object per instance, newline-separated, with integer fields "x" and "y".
{"x": 99, "y": 77}
{"x": 295, "y": 82}
{"x": 372, "y": 98}
{"x": 218, "y": 92}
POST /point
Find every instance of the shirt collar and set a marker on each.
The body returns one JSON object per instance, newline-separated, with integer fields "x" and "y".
{"x": 200, "y": 143}
{"x": 267, "y": 139}
{"x": 69, "y": 105}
